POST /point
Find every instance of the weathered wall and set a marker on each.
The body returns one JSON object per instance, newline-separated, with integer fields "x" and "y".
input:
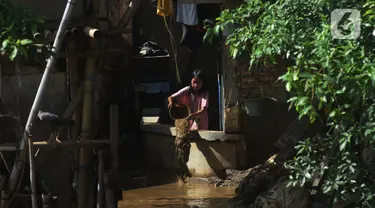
{"x": 263, "y": 131}
{"x": 52, "y": 164}
{"x": 50, "y": 9}
{"x": 206, "y": 158}
{"x": 110, "y": 87}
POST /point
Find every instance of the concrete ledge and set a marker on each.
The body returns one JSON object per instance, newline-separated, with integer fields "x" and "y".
{"x": 211, "y": 152}
{"x": 202, "y": 134}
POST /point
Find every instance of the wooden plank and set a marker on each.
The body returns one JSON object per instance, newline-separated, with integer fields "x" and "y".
{"x": 90, "y": 53}
{"x": 72, "y": 143}
{"x": 34, "y": 201}
{"x": 9, "y": 147}
{"x": 114, "y": 139}
{"x": 100, "y": 195}
{"x": 63, "y": 144}
{"x": 202, "y": 134}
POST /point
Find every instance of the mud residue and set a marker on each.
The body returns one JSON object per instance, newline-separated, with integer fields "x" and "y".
{"x": 182, "y": 147}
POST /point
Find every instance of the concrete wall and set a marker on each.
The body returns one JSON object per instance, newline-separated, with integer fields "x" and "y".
{"x": 18, "y": 95}
{"x": 207, "y": 158}
{"x": 50, "y": 9}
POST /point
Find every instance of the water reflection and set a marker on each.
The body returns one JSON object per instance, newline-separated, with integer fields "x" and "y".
{"x": 178, "y": 196}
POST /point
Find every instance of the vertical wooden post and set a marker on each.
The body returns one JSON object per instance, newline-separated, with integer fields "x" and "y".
{"x": 19, "y": 85}
{"x": 72, "y": 71}
{"x": 34, "y": 201}
{"x": 5, "y": 199}
{"x": 108, "y": 191}
{"x": 46, "y": 200}
{"x": 114, "y": 139}
{"x": 1, "y": 82}
{"x": 86, "y": 129}
{"x": 100, "y": 196}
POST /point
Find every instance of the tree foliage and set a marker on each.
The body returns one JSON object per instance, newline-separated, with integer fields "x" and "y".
{"x": 337, "y": 75}
{"x": 17, "y": 28}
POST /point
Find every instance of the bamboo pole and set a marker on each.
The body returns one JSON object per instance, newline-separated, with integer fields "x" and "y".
{"x": 92, "y": 32}
{"x": 73, "y": 77}
{"x": 108, "y": 191}
{"x": 72, "y": 143}
{"x": 9, "y": 148}
{"x": 100, "y": 196}
{"x": 20, "y": 160}
{"x": 114, "y": 139}
{"x": 34, "y": 202}
{"x": 128, "y": 14}
{"x": 63, "y": 144}
{"x": 86, "y": 128}
{"x": 90, "y": 53}
{"x": 3, "y": 180}
{"x": 1, "y": 82}
{"x": 74, "y": 90}
{"x": 51, "y": 35}
{"x": 46, "y": 200}
{"x": 5, "y": 196}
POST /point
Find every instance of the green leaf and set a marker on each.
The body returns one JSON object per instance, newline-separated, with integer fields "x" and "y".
{"x": 305, "y": 75}
{"x": 288, "y": 86}
{"x": 217, "y": 29}
{"x": 26, "y": 42}
{"x": 5, "y": 44}
{"x": 14, "y": 53}
{"x": 343, "y": 145}
{"x": 23, "y": 51}
{"x": 235, "y": 52}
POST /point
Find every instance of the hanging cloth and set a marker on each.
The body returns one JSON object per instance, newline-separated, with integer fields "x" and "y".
{"x": 187, "y": 14}
{"x": 164, "y": 8}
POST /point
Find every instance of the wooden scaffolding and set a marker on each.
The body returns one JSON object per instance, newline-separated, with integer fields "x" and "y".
{"x": 91, "y": 28}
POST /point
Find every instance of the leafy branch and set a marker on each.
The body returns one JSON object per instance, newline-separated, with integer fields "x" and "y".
{"x": 18, "y": 26}
{"x": 330, "y": 80}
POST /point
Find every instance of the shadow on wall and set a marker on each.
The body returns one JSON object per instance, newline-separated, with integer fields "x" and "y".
{"x": 212, "y": 159}
{"x": 262, "y": 132}
{"x": 53, "y": 164}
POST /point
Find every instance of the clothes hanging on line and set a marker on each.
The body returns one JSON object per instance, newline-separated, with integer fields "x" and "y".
{"x": 187, "y": 14}
{"x": 165, "y": 8}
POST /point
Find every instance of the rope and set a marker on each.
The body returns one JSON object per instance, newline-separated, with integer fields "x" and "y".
{"x": 174, "y": 49}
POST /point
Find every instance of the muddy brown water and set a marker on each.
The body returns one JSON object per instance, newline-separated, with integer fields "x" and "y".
{"x": 178, "y": 195}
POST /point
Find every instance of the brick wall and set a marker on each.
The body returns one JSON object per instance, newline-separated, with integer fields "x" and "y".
{"x": 261, "y": 132}
{"x": 265, "y": 77}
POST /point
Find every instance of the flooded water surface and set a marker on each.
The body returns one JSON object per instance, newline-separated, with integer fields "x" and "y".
{"x": 177, "y": 195}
